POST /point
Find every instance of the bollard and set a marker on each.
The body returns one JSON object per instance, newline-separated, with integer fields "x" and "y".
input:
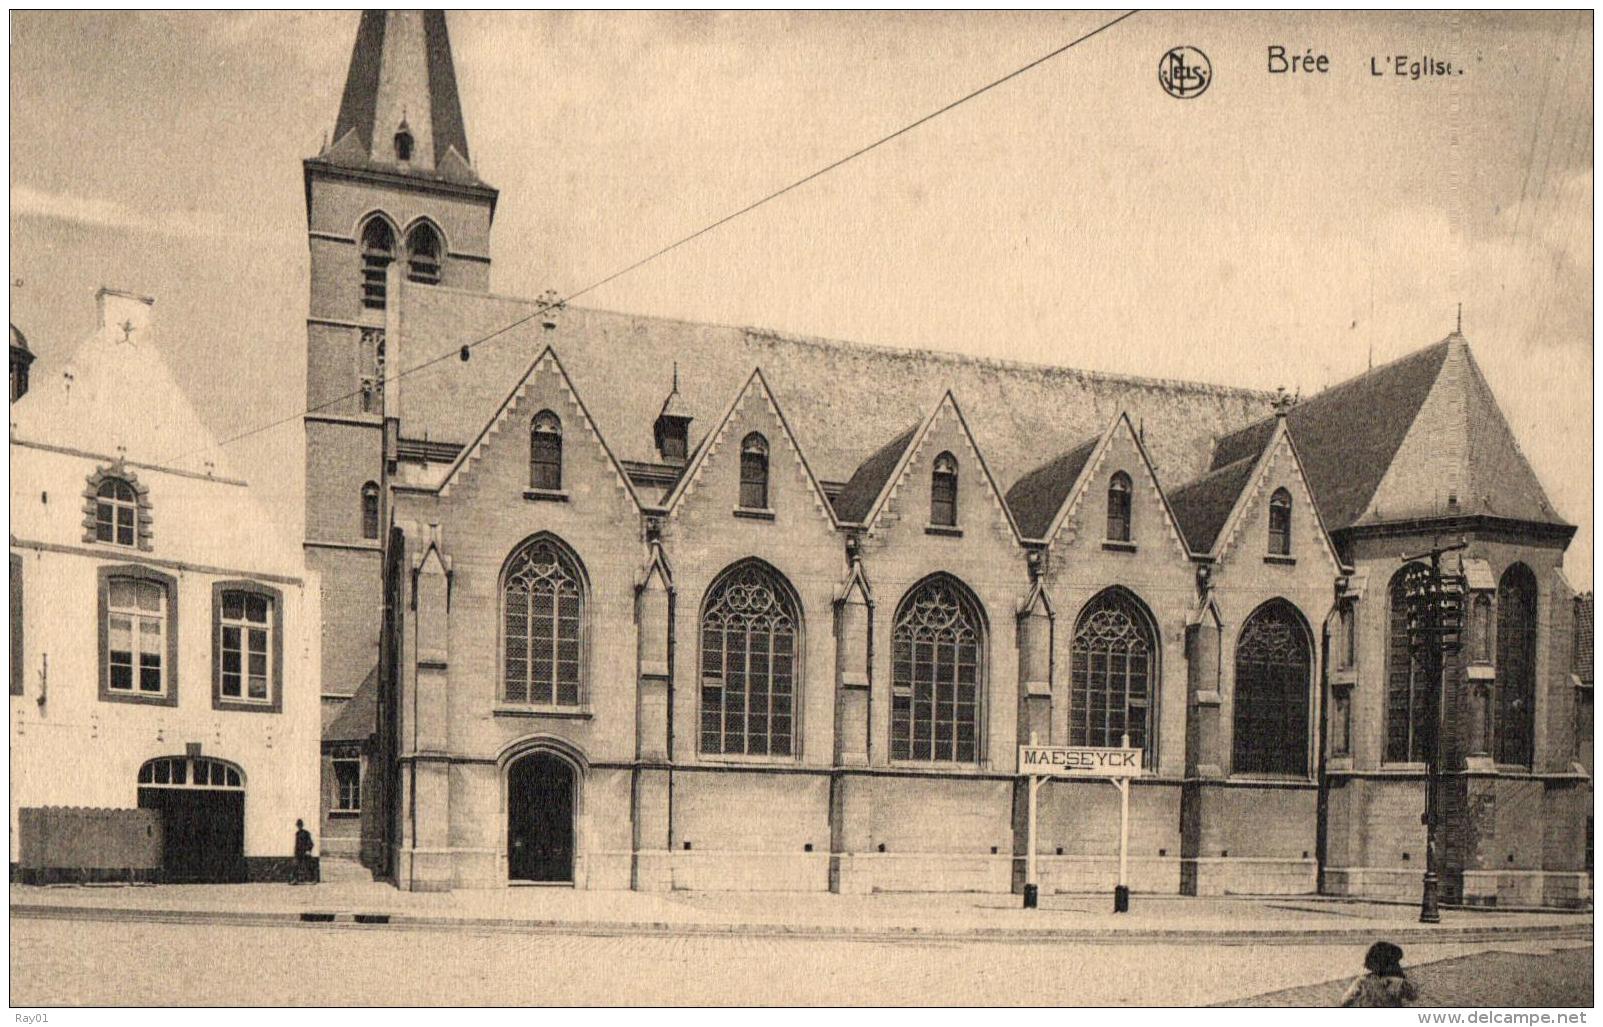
{"x": 1121, "y": 899}
{"x": 1032, "y": 896}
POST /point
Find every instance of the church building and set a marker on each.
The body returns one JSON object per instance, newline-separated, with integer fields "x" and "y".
{"x": 627, "y": 602}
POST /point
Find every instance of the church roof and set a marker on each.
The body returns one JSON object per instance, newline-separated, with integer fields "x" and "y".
{"x": 401, "y": 72}
{"x": 1036, "y": 498}
{"x": 1203, "y": 506}
{"x": 843, "y": 400}
{"x": 358, "y": 719}
{"x": 19, "y": 342}
{"x": 1419, "y": 437}
{"x": 857, "y": 498}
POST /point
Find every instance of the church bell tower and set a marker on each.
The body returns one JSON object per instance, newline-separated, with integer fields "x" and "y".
{"x": 393, "y": 203}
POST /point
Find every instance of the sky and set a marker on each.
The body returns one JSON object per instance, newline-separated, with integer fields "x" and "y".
{"x": 1277, "y": 230}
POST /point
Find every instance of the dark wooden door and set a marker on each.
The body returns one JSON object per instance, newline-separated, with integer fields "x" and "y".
{"x": 540, "y": 819}
{"x": 203, "y": 832}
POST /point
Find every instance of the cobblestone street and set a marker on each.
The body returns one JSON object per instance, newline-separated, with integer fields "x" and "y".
{"x": 64, "y": 962}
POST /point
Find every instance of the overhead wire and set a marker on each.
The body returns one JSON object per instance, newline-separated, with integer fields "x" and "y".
{"x": 464, "y": 350}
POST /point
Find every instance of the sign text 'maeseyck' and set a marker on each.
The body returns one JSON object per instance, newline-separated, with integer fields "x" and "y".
{"x": 1079, "y": 761}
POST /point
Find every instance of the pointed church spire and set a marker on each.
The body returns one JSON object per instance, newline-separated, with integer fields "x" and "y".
{"x": 400, "y": 92}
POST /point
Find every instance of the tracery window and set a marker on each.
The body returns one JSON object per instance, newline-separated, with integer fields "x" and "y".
{"x": 1114, "y": 666}
{"x": 542, "y": 605}
{"x": 1273, "y": 673}
{"x": 1407, "y": 690}
{"x": 754, "y": 472}
{"x": 1515, "y": 725}
{"x": 943, "y": 492}
{"x": 1119, "y": 507}
{"x": 749, "y": 655}
{"x": 116, "y": 512}
{"x": 545, "y": 452}
{"x": 937, "y": 669}
{"x": 378, "y": 251}
{"x": 1280, "y": 523}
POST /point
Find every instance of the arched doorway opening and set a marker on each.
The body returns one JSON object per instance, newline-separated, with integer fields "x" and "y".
{"x": 542, "y": 800}
{"x": 202, "y": 807}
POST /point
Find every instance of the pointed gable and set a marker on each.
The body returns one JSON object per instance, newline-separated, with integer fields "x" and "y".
{"x": 577, "y": 424}
{"x": 1246, "y": 486}
{"x": 946, "y": 408}
{"x": 757, "y": 400}
{"x": 1036, "y": 498}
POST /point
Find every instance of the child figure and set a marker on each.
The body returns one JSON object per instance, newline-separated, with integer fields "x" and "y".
{"x": 1385, "y": 984}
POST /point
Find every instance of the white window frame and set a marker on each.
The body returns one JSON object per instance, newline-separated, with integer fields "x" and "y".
{"x": 136, "y": 619}
{"x": 245, "y": 625}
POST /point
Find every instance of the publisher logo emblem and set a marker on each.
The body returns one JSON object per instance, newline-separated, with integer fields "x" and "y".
{"x": 1184, "y": 72}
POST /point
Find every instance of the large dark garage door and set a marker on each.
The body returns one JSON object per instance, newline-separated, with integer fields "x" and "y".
{"x": 202, "y": 806}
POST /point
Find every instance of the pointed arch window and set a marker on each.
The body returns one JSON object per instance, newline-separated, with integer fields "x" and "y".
{"x": 1119, "y": 507}
{"x": 749, "y": 663}
{"x": 116, "y": 512}
{"x": 1407, "y": 690}
{"x": 545, "y": 452}
{"x": 1273, "y": 674}
{"x": 1114, "y": 666}
{"x": 937, "y": 673}
{"x": 1280, "y": 523}
{"x": 542, "y": 617}
{"x": 943, "y": 492}
{"x": 1481, "y": 628}
{"x": 378, "y": 251}
{"x": 1515, "y": 724}
{"x": 754, "y": 472}
{"x": 423, "y": 251}
{"x": 370, "y": 511}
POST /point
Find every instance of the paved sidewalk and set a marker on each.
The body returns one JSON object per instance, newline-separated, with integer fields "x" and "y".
{"x": 1081, "y": 917}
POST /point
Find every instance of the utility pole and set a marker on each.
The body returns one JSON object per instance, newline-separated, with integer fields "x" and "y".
{"x": 1435, "y": 629}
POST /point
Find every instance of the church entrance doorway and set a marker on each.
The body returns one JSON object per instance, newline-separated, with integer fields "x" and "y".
{"x": 540, "y": 808}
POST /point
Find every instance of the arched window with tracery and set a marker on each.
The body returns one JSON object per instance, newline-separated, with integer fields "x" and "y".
{"x": 1280, "y": 523}
{"x": 1113, "y": 672}
{"x": 1514, "y": 728}
{"x": 750, "y": 628}
{"x": 542, "y": 618}
{"x": 943, "y": 492}
{"x": 1274, "y": 667}
{"x": 378, "y": 251}
{"x": 937, "y": 672}
{"x": 423, "y": 254}
{"x": 545, "y": 451}
{"x": 754, "y": 472}
{"x": 1119, "y": 507}
{"x": 1407, "y": 690}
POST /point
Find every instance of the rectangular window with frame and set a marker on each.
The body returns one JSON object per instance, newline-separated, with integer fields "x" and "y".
{"x": 136, "y": 637}
{"x": 347, "y": 786}
{"x": 246, "y": 647}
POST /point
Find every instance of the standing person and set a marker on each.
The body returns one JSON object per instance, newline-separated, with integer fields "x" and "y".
{"x": 303, "y": 855}
{"x": 1385, "y": 985}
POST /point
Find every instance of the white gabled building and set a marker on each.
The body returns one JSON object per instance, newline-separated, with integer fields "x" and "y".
{"x": 164, "y": 636}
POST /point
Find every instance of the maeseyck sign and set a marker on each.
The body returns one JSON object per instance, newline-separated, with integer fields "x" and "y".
{"x": 1078, "y": 761}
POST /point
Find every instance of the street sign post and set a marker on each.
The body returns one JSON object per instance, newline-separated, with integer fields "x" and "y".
{"x": 1114, "y": 765}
